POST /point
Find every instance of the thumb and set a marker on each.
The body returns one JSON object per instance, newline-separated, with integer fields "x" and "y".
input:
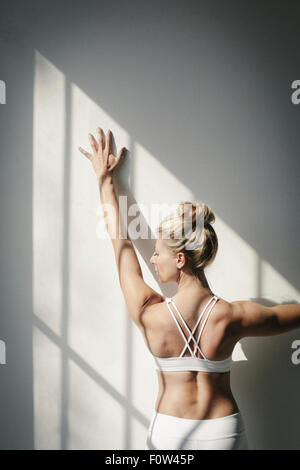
{"x": 122, "y": 152}
{"x": 119, "y": 158}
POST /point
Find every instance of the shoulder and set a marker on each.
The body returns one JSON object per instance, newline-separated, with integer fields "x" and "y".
{"x": 236, "y": 315}
{"x": 152, "y": 312}
{"x": 223, "y": 318}
{"x": 223, "y": 312}
{"x": 225, "y": 325}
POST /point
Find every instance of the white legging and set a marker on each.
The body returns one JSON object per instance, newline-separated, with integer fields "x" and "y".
{"x": 171, "y": 432}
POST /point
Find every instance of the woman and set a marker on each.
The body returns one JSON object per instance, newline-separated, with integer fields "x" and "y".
{"x": 192, "y": 335}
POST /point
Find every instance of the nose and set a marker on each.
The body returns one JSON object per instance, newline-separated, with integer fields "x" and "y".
{"x": 152, "y": 259}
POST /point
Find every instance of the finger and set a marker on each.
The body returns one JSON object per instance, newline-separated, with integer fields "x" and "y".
{"x": 106, "y": 152}
{"x": 108, "y": 142}
{"x": 87, "y": 154}
{"x": 101, "y": 138}
{"x": 93, "y": 143}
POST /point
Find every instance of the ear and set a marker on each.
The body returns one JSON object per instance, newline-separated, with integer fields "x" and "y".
{"x": 181, "y": 259}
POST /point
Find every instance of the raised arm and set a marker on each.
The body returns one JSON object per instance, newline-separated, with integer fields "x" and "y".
{"x": 253, "y": 319}
{"x": 136, "y": 292}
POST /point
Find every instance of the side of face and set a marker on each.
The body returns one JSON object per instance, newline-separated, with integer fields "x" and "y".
{"x": 166, "y": 263}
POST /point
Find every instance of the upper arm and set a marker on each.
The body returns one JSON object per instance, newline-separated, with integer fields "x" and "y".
{"x": 253, "y": 319}
{"x": 137, "y": 293}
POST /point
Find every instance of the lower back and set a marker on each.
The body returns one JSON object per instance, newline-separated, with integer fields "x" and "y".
{"x": 195, "y": 395}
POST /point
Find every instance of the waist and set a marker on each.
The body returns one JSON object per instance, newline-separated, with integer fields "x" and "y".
{"x": 215, "y": 428}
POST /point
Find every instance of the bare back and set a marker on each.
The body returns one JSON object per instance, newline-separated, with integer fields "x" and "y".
{"x": 191, "y": 394}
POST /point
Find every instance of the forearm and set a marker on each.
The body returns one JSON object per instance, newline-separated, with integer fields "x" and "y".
{"x": 110, "y": 207}
{"x": 126, "y": 257}
{"x": 288, "y": 316}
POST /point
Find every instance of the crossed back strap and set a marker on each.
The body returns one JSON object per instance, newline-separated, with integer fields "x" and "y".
{"x": 212, "y": 301}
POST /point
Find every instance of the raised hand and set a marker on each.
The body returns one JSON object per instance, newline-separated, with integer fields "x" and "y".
{"x": 102, "y": 158}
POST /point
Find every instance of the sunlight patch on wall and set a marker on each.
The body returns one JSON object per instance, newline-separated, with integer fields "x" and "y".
{"x": 153, "y": 182}
{"x": 234, "y": 271}
{"x": 96, "y": 419}
{"x": 46, "y": 392}
{"x": 276, "y": 287}
{"x": 47, "y": 203}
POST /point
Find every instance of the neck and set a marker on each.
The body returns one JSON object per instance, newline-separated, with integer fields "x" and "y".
{"x": 188, "y": 282}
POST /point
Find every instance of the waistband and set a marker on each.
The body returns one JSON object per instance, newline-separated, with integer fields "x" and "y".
{"x": 215, "y": 428}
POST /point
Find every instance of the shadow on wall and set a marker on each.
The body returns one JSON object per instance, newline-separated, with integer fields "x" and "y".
{"x": 266, "y": 387}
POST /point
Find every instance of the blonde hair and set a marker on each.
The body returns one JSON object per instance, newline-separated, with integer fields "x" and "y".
{"x": 189, "y": 230}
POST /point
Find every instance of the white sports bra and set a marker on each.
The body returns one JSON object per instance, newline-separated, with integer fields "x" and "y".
{"x": 192, "y": 363}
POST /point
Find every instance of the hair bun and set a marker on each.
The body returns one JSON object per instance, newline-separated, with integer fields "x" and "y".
{"x": 198, "y": 209}
{"x": 209, "y": 216}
